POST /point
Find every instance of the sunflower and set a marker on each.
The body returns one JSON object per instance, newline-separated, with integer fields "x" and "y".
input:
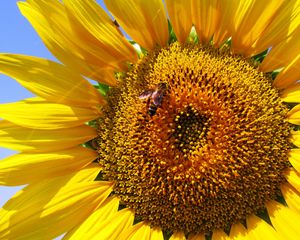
{"x": 188, "y": 131}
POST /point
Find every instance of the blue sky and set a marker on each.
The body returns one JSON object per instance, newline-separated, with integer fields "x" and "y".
{"x": 17, "y": 36}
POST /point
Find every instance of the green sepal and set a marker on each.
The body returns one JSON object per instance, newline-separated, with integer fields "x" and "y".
{"x": 263, "y": 214}
{"x": 172, "y": 36}
{"x": 138, "y": 48}
{"x": 275, "y": 73}
{"x": 193, "y": 37}
{"x": 167, "y": 234}
{"x": 88, "y": 145}
{"x": 228, "y": 42}
{"x": 281, "y": 200}
{"x": 260, "y": 57}
{"x": 93, "y": 123}
{"x": 99, "y": 177}
{"x": 102, "y": 88}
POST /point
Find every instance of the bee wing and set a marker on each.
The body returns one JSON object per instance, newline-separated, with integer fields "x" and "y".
{"x": 158, "y": 97}
{"x": 157, "y": 100}
{"x": 146, "y": 94}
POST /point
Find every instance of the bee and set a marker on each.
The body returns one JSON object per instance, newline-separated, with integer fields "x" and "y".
{"x": 154, "y": 97}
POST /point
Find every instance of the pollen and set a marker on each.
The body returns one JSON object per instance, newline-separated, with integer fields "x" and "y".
{"x": 214, "y": 150}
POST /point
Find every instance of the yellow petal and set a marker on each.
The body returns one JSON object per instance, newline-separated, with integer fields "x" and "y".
{"x": 156, "y": 234}
{"x": 282, "y": 54}
{"x": 284, "y": 220}
{"x": 226, "y": 9}
{"x": 138, "y": 231}
{"x": 55, "y": 31}
{"x": 115, "y": 227}
{"x": 293, "y": 178}
{"x": 291, "y": 94}
{"x": 95, "y": 28}
{"x": 144, "y": 21}
{"x": 295, "y": 138}
{"x": 258, "y": 229}
{"x": 24, "y": 168}
{"x": 50, "y": 80}
{"x": 251, "y": 20}
{"x": 33, "y": 140}
{"x": 285, "y": 22}
{"x": 288, "y": 75}
{"x": 55, "y": 115}
{"x": 199, "y": 236}
{"x": 95, "y": 223}
{"x": 180, "y": 13}
{"x": 86, "y": 174}
{"x": 44, "y": 115}
{"x": 51, "y": 22}
{"x": 220, "y": 235}
{"x": 206, "y": 17}
{"x": 292, "y": 197}
{"x": 48, "y": 209}
{"x": 178, "y": 236}
{"x": 295, "y": 158}
{"x": 105, "y": 75}
{"x": 238, "y": 231}
{"x": 293, "y": 115}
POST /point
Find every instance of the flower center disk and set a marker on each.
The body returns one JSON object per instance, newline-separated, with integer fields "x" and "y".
{"x": 194, "y": 138}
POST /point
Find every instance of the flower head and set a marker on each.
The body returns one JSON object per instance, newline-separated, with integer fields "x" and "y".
{"x": 191, "y": 131}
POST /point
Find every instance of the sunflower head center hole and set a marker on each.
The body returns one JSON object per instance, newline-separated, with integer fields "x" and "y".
{"x": 190, "y": 130}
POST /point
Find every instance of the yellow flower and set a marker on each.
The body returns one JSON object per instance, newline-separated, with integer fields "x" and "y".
{"x": 190, "y": 133}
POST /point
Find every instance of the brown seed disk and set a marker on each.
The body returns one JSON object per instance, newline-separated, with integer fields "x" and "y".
{"x": 213, "y": 153}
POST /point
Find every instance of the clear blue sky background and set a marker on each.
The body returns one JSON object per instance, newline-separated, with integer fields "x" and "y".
{"x": 16, "y": 36}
